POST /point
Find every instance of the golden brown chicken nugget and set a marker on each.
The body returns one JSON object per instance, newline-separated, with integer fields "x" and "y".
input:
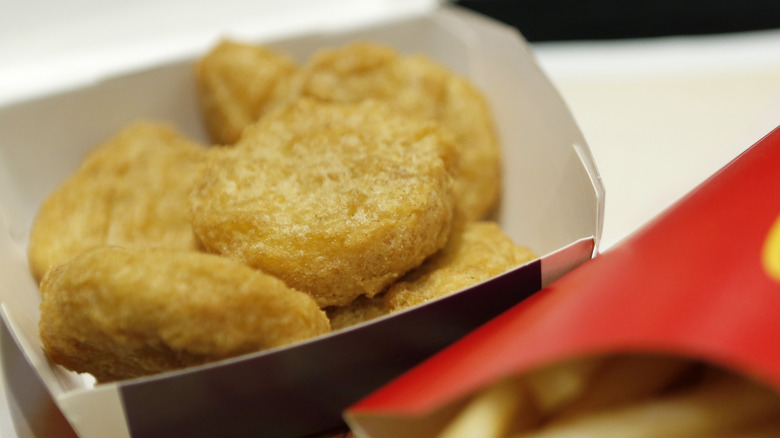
{"x": 420, "y": 88}
{"x": 119, "y": 313}
{"x": 360, "y": 310}
{"x": 130, "y": 191}
{"x": 480, "y": 250}
{"x": 476, "y": 252}
{"x": 338, "y": 200}
{"x": 237, "y": 83}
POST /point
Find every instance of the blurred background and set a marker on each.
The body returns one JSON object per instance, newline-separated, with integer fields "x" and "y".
{"x": 665, "y": 92}
{"x": 564, "y": 20}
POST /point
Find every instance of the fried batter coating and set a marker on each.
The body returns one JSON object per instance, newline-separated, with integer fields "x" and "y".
{"x": 120, "y": 313}
{"x": 478, "y": 252}
{"x": 130, "y": 191}
{"x": 237, "y": 83}
{"x": 420, "y": 88}
{"x": 338, "y": 200}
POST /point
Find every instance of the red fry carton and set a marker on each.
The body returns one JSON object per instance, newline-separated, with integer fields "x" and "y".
{"x": 701, "y": 280}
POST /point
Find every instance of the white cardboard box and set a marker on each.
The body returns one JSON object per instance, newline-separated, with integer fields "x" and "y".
{"x": 552, "y": 202}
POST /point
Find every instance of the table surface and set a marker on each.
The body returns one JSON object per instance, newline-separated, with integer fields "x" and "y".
{"x": 660, "y": 115}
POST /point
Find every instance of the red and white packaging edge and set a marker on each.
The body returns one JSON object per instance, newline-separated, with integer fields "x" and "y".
{"x": 701, "y": 280}
{"x": 552, "y": 203}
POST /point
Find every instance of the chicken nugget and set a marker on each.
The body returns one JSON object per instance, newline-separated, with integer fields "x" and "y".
{"x": 338, "y": 200}
{"x": 420, "y": 88}
{"x": 237, "y": 83}
{"x": 131, "y": 190}
{"x": 360, "y": 310}
{"x": 120, "y": 313}
{"x": 478, "y": 251}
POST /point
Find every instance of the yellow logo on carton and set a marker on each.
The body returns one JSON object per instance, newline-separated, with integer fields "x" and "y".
{"x": 770, "y": 257}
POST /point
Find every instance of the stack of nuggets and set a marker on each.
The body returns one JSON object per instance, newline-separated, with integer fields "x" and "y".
{"x": 416, "y": 86}
{"x": 318, "y": 197}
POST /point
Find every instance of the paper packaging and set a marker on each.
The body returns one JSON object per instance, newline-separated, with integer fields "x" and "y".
{"x": 701, "y": 280}
{"x": 552, "y": 203}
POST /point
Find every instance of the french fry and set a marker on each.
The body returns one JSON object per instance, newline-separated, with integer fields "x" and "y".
{"x": 493, "y": 412}
{"x": 715, "y": 406}
{"x": 632, "y": 395}
{"x": 554, "y": 386}
{"x": 627, "y": 378}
